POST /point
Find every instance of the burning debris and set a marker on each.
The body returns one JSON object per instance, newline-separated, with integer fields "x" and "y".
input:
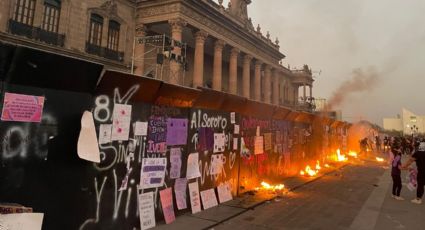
{"x": 340, "y": 157}
{"x": 379, "y": 159}
{"x": 273, "y": 188}
{"x": 353, "y": 154}
{"x": 309, "y": 171}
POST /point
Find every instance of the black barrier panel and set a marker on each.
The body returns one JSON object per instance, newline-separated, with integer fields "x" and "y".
{"x": 256, "y": 148}
{"x": 39, "y": 164}
{"x": 6, "y": 56}
{"x": 212, "y": 136}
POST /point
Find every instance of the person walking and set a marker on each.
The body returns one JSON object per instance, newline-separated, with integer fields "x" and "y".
{"x": 419, "y": 157}
{"x": 396, "y": 173}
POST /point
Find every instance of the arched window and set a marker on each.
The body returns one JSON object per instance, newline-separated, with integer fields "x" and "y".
{"x": 113, "y": 35}
{"x": 24, "y": 11}
{"x": 95, "y": 33}
{"x": 51, "y": 15}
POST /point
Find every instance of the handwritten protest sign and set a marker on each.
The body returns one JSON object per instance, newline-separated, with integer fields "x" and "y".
{"x": 219, "y": 142}
{"x": 167, "y": 205}
{"x": 152, "y": 172}
{"x": 192, "y": 170}
{"x": 209, "y": 199}
{"x": 21, "y": 221}
{"x": 121, "y": 122}
{"x": 224, "y": 192}
{"x": 105, "y": 132}
{"x": 267, "y": 141}
{"x": 140, "y": 128}
{"x": 217, "y": 162}
{"x": 20, "y": 107}
{"x": 258, "y": 145}
{"x": 195, "y": 201}
{"x": 157, "y": 135}
{"x": 176, "y": 162}
{"x": 180, "y": 186}
{"x": 146, "y": 210}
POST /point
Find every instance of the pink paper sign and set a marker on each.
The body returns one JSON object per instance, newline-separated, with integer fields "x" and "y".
{"x": 20, "y": 107}
{"x": 167, "y": 205}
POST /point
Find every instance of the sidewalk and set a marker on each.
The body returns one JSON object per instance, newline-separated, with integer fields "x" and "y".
{"x": 212, "y": 217}
{"x": 382, "y": 212}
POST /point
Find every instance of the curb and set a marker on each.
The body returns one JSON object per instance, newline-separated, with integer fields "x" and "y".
{"x": 268, "y": 200}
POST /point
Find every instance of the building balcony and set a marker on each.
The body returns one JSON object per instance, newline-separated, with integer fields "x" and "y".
{"x": 36, "y": 33}
{"x": 104, "y": 52}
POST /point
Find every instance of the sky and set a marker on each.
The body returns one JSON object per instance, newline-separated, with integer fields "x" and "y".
{"x": 339, "y": 39}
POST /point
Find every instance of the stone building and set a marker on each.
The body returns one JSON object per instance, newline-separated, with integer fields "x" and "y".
{"x": 195, "y": 43}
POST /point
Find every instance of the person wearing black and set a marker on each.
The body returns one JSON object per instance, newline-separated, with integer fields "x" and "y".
{"x": 378, "y": 143}
{"x": 419, "y": 157}
{"x": 396, "y": 173}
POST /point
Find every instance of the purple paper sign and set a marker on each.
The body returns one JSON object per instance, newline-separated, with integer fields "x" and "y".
{"x": 20, "y": 107}
{"x": 176, "y": 131}
{"x": 205, "y": 139}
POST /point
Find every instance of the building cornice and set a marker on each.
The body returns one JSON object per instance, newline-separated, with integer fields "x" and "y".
{"x": 202, "y": 14}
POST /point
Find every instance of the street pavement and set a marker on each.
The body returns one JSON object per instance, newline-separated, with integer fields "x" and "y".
{"x": 354, "y": 197}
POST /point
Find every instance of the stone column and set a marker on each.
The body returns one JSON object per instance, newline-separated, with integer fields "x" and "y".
{"x": 233, "y": 71}
{"x": 311, "y": 91}
{"x": 139, "y": 51}
{"x": 304, "y": 93}
{"x": 246, "y": 76}
{"x": 176, "y": 34}
{"x": 267, "y": 84}
{"x": 218, "y": 64}
{"x": 198, "y": 63}
{"x": 275, "y": 87}
{"x": 257, "y": 80}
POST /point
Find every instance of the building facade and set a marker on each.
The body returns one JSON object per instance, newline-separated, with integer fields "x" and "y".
{"x": 408, "y": 123}
{"x": 194, "y": 43}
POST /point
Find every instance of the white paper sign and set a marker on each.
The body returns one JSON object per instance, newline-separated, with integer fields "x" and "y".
{"x": 141, "y": 128}
{"x": 180, "y": 187}
{"x": 192, "y": 170}
{"x": 146, "y": 210}
{"x": 219, "y": 142}
{"x": 105, "y": 133}
{"x": 209, "y": 199}
{"x": 232, "y": 118}
{"x": 21, "y": 221}
{"x": 217, "y": 162}
{"x": 176, "y": 162}
{"x": 235, "y": 143}
{"x": 88, "y": 147}
{"x": 121, "y": 122}
{"x": 236, "y": 129}
{"x": 195, "y": 201}
{"x": 152, "y": 172}
{"x": 224, "y": 192}
{"x": 258, "y": 145}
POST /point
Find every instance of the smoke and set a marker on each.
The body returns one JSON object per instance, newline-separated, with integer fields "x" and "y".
{"x": 361, "y": 80}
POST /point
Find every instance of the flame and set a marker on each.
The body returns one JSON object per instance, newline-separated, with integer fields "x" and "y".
{"x": 340, "y": 157}
{"x": 318, "y": 165}
{"x": 327, "y": 166}
{"x": 379, "y": 159}
{"x": 352, "y": 154}
{"x": 308, "y": 171}
{"x": 267, "y": 186}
